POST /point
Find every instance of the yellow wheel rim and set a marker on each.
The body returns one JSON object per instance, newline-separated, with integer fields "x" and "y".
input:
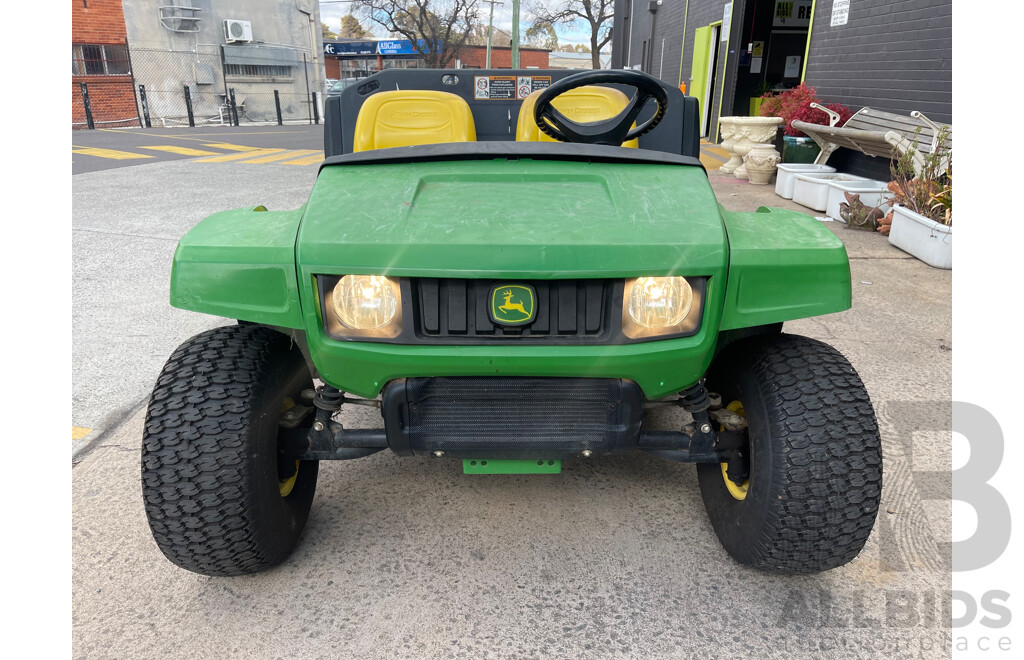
{"x": 738, "y": 491}
{"x": 286, "y": 486}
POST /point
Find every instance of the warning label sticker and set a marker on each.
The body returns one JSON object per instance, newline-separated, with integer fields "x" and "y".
{"x": 507, "y": 88}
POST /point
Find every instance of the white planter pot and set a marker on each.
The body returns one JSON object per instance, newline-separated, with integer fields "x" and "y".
{"x": 811, "y": 190}
{"x": 871, "y": 194}
{"x": 787, "y": 173}
{"x": 929, "y": 241}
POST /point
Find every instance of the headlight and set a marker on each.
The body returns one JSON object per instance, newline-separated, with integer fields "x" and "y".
{"x": 361, "y": 306}
{"x": 654, "y": 306}
{"x": 365, "y": 302}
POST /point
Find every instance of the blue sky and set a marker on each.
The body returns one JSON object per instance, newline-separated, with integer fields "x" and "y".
{"x": 331, "y": 13}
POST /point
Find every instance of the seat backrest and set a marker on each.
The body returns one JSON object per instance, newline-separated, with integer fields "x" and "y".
{"x": 869, "y": 119}
{"x": 583, "y": 104}
{"x": 404, "y": 118}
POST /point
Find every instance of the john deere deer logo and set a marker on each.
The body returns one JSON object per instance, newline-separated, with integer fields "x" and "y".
{"x": 512, "y": 304}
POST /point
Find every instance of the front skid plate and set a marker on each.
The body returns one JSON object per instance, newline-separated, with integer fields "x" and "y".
{"x": 510, "y": 466}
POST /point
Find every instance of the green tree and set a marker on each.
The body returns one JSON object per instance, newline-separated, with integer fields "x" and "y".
{"x": 325, "y": 31}
{"x": 351, "y": 28}
{"x": 542, "y": 35}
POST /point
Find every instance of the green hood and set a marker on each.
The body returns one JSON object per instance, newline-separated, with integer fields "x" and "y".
{"x": 512, "y": 218}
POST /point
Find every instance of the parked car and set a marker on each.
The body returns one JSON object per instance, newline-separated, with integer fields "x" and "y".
{"x": 339, "y": 86}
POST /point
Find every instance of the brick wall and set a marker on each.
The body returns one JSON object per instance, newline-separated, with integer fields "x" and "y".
{"x": 110, "y": 97}
{"x": 111, "y": 100}
{"x": 893, "y": 55}
{"x": 332, "y": 68}
{"x": 102, "y": 22}
{"x": 501, "y": 58}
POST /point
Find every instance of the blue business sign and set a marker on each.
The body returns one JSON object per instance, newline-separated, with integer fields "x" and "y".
{"x": 381, "y": 47}
{"x": 350, "y": 48}
{"x": 401, "y": 47}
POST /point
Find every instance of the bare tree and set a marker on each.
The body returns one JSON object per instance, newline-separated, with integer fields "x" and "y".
{"x": 597, "y": 14}
{"x": 436, "y": 28}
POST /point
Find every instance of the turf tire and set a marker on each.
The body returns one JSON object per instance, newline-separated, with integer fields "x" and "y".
{"x": 815, "y": 452}
{"x": 209, "y": 452}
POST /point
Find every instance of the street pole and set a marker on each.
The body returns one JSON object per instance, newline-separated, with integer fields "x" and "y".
{"x": 515, "y": 34}
{"x": 490, "y": 30}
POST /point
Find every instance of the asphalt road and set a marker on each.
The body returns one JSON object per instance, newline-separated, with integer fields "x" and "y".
{"x": 126, "y": 221}
{"x": 108, "y": 148}
{"x": 614, "y": 558}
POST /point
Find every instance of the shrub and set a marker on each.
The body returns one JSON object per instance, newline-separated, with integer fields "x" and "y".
{"x": 796, "y": 104}
{"x": 815, "y": 116}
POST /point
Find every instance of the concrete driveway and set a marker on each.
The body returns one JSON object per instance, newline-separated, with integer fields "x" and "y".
{"x": 614, "y": 558}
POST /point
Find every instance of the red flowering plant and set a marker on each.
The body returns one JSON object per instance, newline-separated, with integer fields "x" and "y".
{"x": 796, "y": 104}
{"x": 811, "y": 115}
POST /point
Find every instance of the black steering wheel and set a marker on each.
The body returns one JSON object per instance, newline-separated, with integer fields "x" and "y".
{"x": 612, "y": 131}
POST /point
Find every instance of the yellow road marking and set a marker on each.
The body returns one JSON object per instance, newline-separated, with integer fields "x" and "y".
{"x": 106, "y": 153}
{"x": 232, "y": 147}
{"x": 206, "y": 137}
{"x": 284, "y": 156}
{"x": 79, "y": 432}
{"x": 308, "y": 160}
{"x": 184, "y": 151}
{"x": 239, "y": 156}
{"x": 718, "y": 151}
{"x": 710, "y": 163}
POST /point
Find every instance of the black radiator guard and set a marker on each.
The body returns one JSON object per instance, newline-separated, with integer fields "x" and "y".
{"x": 512, "y": 417}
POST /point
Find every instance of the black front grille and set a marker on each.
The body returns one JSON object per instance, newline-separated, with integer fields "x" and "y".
{"x": 569, "y": 310}
{"x": 512, "y": 417}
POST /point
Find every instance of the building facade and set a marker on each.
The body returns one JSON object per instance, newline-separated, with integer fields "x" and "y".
{"x": 100, "y": 69}
{"x": 266, "y": 52}
{"x": 356, "y": 58}
{"x": 894, "y": 56}
{"x": 175, "y": 61}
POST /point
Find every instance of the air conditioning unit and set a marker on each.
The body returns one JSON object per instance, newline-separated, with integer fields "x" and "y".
{"x": 236, "y": 31}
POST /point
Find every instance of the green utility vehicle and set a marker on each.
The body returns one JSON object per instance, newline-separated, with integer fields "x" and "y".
{"x": 511, "y": 266}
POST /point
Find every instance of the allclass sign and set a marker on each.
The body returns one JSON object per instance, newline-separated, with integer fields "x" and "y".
{"x": 376, "y": 47}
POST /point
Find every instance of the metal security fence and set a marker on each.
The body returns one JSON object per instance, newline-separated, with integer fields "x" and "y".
{"x": 224, "y": 86}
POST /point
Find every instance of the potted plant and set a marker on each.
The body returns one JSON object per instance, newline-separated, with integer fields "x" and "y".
{"x": 921, "y": 220}
{"x": 793, "y": 104}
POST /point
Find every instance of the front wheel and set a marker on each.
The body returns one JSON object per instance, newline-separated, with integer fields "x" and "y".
{"x": 217, "y": 501}
{"x": 814, "y": 478}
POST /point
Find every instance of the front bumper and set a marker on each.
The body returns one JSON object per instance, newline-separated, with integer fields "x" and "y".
{"x": 660, "y": 368}
{"x": 510, "y": 418}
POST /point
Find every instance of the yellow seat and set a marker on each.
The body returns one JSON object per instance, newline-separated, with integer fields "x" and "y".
{"x": 583, "y": 104}
{"x": 409, "y": 117}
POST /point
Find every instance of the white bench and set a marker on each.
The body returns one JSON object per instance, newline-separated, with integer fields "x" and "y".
{"x": 878, "y": 133}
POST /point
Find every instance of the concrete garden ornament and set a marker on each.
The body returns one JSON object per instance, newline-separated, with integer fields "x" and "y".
{"x": 760, "y": 163}
{"x": 744, "y": 133}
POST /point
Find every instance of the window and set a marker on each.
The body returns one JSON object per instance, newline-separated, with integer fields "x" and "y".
{"x": 260, "y": 70}
{"x": 99, "y": 60}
